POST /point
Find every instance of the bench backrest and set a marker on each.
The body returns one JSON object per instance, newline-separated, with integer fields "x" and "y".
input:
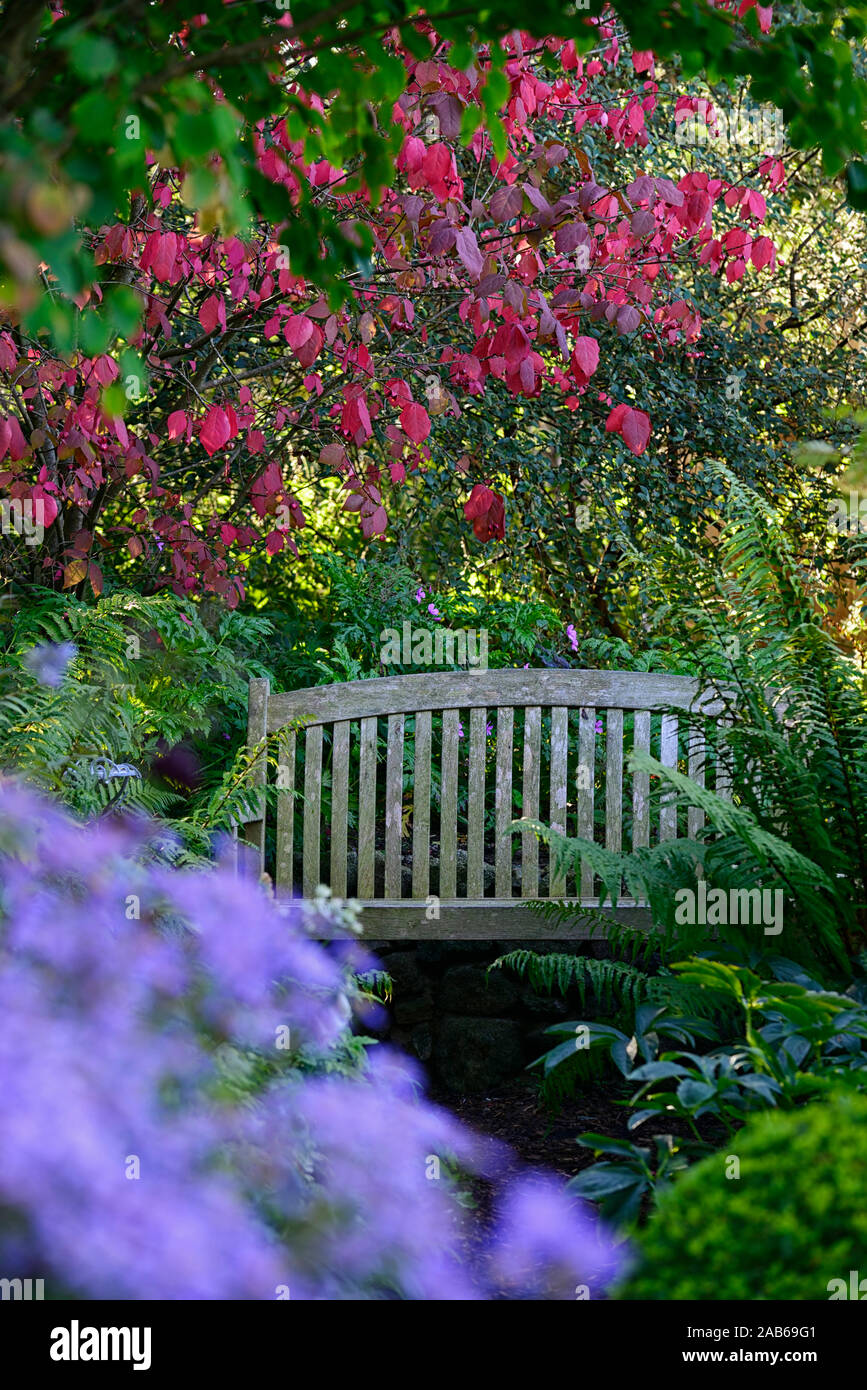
{"x": 393, "y": 789}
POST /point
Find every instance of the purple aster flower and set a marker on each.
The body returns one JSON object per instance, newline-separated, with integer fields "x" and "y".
{"x": 547, "y": 1248}
{"x": 49, "y": 661}
{"x": 573, "y": 637}
{"x": 419, "y": 595}
{"x": 161, "y": 1139}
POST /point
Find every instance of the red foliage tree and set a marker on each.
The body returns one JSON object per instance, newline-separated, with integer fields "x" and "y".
{"x": 488, "y": 259}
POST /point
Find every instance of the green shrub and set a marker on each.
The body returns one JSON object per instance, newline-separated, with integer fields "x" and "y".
{"x": 793, "y": 1221}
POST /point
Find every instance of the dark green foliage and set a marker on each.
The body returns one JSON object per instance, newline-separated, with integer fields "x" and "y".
{"x": 793, "y": 1220}
{"x": 148, "y": 675}
{"x": 613, "y": 982}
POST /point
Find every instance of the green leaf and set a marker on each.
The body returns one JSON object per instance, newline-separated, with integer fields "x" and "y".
{"x": 92, "y": 57}
{"x": 605, "y": 1178}
{"x": 605, "y": 1144}
{"x": 694, "y": 1093}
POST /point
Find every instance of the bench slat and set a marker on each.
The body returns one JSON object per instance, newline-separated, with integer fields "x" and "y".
{"x": 641, "y": 783}
{"x": 394, "y": 806}
{"x": 473, "y": 693}
{"x": 476, "y": 805}
{"x": 587, "y": 772}
{"x": 723, "y": 780}
{"x": 312, "y": 805}
{"x": 614, "y": 780}
{"x": 559, "y": 754}
{"x": 449, "y": 805}
{"x": 503, "y": 801}
{"x": 697, "y": 757}
{"x": 668, "y": 758}
{"x": 490, "y": 689}
{"x": 257, "y": 728}
{"x": 339, "y": 807}
{"x": 530, "y": 800}
{"x": 421, "y": 807}
{"x": 366, "y": 808}
{"x": 285, "y": 811}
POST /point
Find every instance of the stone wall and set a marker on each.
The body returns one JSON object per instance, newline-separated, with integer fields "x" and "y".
{"x": 472, "y": 1030}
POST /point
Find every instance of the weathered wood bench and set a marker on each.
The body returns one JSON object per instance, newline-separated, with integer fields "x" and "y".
{"x": 474, "y": 749}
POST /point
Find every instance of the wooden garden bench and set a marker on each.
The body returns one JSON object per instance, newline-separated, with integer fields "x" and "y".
{"x": 394, "y": 767}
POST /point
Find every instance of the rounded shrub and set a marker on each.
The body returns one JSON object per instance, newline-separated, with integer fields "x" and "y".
{"x": 791, "y": 1222}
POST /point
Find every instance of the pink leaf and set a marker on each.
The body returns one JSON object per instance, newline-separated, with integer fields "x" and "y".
{"x": 615, "y": 419}
{"x": 585, "y": 359}
{"x": 635, "y": 430}
{"x": 212, "y": 313}
{"x": 374, "y": 522}
{"x": 469, "y": 253}
{"x": 177, "y": 424}
{"x": 415, "y": 421}
{"x": 215, "y": 430}
{"x": 297, "y": 330}
{"x": 12, "y": 439}
{"x": 763, "y": 253}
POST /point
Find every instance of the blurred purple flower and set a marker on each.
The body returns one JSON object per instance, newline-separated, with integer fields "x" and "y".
{"x": 419, "y": 595}
{"x": 545, "y": 1247}
{"x": 133, "y": 996}
{"x": 49, "y": 661}
{"x": 573, "y": 637}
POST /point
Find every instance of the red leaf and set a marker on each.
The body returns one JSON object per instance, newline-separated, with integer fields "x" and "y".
{"x": 11, "y": 439}
{"x": 374, "y": 522}
{"x": 415, "y": 421}
{"x": 166, "y": 253}
{"x": 763, "y": 253}
{"x": 177, "y": 424}
{"x": 212, "y": 312}
{"x": 478, "y": 502}
{"x": 215, "y": 430}
{"x": 486, "y": 509}
{"x": 308, "y": 352}
{"x": 297, "y": 330}
{"x": 635, "y": 430}
{"x": 585, "y": 359}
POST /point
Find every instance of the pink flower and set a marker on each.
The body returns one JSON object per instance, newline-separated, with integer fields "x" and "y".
{"x": 573, "y": 637}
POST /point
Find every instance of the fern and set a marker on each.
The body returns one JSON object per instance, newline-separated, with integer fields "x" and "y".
{"x": 750, "y": 624}
{"x": 616, "y": 985}
{"x": 613, "y": 982}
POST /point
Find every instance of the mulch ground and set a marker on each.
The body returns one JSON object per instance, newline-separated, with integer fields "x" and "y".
{"x": 539, "y": 1138}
